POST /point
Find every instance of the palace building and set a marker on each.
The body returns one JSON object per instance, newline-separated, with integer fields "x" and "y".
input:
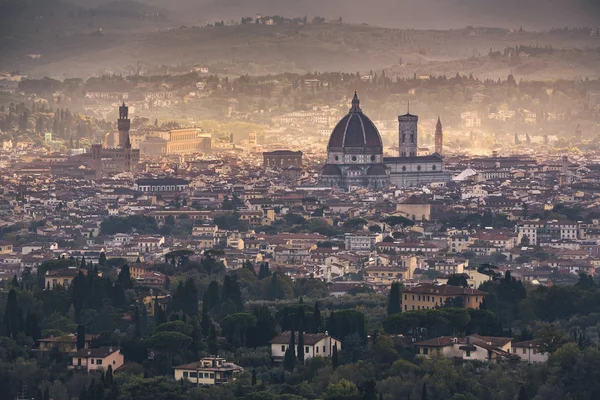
{"x": 355, "y": 155}
{"x": 119, "y": 159}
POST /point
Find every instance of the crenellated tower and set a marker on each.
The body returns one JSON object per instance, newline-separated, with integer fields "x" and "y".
{"x": 124, "y": 124}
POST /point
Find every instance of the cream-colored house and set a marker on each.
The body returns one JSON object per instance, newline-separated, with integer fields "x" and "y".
{"x": 97, "y": 359}
{"x": 208, "y": 371}
{"x": 315, "y": 345}
{"x": 473, "y": 347}
{"x": 529, "y": 351}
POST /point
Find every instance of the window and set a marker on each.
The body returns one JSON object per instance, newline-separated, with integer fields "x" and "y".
{"x": 317, "y": 348}
{"x": 193, "y": 374}
{"x": 468, "y": 353}
{"x": 403, "y": 168}
{"x": 372, "y": 158}
{"x": 212, "y": 376}
{"x": 433, "y": 168}
{"x": 283, "y": 348}
{"x": 306, "y": 349}
{"x": 92, "y": 361}
{"x": 79, "y": 361}
{"x": 324, "y": 349}
{"x": 99, "y": 362}
{"x": 418, "y": 167}
{"x": 185, "y": 374}
{"x": 405, "y": 297}
{"x": 524, "y": 351}
{"x": 353, "y": 158}
{"x": 425, "y": 351}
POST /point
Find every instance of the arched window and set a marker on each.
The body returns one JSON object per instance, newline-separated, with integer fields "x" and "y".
{"x": 433, "y": 168}
{"x": 418, "y": 167}
{"x": 403, "y": 168}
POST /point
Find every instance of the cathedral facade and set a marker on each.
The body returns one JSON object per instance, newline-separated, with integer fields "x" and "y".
{"x": 355, "y": 155}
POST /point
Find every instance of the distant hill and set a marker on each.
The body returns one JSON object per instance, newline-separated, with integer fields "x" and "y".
{"x": 259, "y": 49}
{"x": 418, "y": 14}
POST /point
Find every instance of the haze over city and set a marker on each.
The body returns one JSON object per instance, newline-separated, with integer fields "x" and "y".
{"x": 299, "y": 199}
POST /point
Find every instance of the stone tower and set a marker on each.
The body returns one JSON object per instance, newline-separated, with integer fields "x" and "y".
{"x": 439, "y": 137}
{"x": 124, "y": 124}
{"x": 408, "y": 135}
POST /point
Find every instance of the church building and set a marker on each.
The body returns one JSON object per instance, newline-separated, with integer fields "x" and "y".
{"x": 355, "y": 155}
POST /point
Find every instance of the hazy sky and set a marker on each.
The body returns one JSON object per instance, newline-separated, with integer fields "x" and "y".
{"x": 406, "y": 13}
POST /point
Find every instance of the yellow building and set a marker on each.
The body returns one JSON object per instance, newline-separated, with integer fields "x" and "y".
{"x": 427, "y": 296}
{"x": 61, "y": 277}
{"x": 208, "y": 371}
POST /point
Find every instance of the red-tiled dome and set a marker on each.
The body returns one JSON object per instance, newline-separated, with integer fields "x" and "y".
{"x": 355, "y": 130}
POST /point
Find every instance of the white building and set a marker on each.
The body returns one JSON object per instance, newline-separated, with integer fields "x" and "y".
{"x": 529, "y": 351}
{"x": 315, "y": 345}
{"x": 362, "y": 242}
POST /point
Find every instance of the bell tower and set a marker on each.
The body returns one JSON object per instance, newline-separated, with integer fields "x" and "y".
{"x": 439, "y": 137}
{"x": 408, "y": 135}
{"x": 124, "y": 124}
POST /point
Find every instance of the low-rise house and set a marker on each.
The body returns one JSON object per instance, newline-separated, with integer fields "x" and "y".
{"x": 65, "y": 343}
{"x": 99, "y": 359}
{"x": 208, "y": 371}
{"x": 315, "y": 345}
{"x": 529, "y": 351}
{"x": 473, "y": 347}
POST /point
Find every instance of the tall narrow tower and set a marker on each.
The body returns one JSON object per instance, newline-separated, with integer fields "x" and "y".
{"x": 124, "y": 124}
{"x": 408, "y": 135}
{"x": 439, "y": 137}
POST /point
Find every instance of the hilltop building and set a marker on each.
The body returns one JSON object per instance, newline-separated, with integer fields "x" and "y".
{"x": 121, "y": 158}
{"x": 355, "y": 155}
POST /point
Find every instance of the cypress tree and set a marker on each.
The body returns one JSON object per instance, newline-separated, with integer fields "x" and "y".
{"x": 522, "y": 394}
{"x": 334, "y": 357}
{"x": 301, "y": 343}
{"x": 47, "y": 393}
{"x": 289, "y": 359}
{"x": 424, "y": 392}
{"x": 11, "y": 316}
{"x": 80, "y": 337}
{"x": 254, "y": 377}
{"x": 394, "y": 299}
{"x": 102, "y": 259}
{"x": 83, "y": 264}
{"x": 15, "y": 282}
{"x": 317, "y": 318}
{"x": 138, "y": 326}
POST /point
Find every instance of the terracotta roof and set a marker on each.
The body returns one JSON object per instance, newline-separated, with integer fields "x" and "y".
{"x": 444, "y": 290}
{"x": 309, "y": 338}
{"x": 100, "y": 352}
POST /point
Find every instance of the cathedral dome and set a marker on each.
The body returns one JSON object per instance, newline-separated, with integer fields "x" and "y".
{"x": 355, "y": 131}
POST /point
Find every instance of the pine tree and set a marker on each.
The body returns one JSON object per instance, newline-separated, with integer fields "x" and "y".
{"x": 394, "y": 299}
{"x": 301, "y": 343}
